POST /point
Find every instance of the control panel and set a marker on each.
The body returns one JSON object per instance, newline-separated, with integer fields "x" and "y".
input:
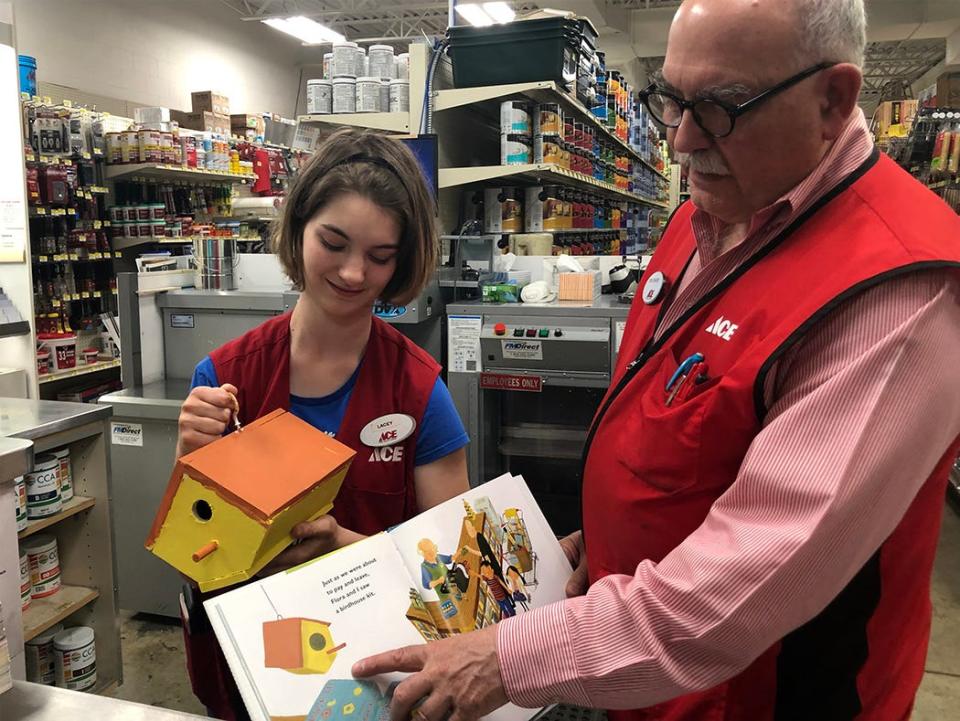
{"x": 560, "y": 344}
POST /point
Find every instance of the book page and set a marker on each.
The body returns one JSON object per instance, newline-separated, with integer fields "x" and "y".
{"x": 485, "y": 555}
{"x": 291, "y": 639}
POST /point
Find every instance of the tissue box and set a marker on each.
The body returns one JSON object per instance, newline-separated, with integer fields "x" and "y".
{"x": 579, "y": 286}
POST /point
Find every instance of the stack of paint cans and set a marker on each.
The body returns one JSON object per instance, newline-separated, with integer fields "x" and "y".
{"x": 516, "y": 133}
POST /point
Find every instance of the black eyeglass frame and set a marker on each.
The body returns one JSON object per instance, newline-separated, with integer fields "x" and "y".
{"x": 733, "y": 111}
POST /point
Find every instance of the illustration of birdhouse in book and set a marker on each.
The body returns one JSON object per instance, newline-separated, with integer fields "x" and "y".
{"x": 229, "y": 507}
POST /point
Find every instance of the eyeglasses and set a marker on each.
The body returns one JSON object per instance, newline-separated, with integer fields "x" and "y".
{"x": 715, "y": 117}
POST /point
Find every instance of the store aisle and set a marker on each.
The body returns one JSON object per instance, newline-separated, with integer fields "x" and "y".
{"x": 154, "y": 671}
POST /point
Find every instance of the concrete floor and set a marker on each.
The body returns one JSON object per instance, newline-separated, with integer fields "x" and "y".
{"x": 154, "y": 671}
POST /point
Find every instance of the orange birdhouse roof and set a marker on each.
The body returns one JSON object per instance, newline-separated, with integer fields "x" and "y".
{"x": 264, "y": 468}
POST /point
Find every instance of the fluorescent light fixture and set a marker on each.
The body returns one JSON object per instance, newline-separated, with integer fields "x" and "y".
{"x": 474, "y": 15}
{"x": 307, "y": 30}
{"x": 500, "y": 12}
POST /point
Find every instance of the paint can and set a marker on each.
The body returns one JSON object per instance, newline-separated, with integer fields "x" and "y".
{"x": 44, "y": 565}
{"x": 344, "y": 95}
{"x": 20, "y": 501}
{"x": 381, "y": 62}
{"x": 75, "y": 658}
{"x": 384, "y": 96}
{"x": 25, "y": 583}
{"x": 515, "y": 118}
{"x": 368, "y": 95}
{"x": 515, "y": 149}
{"x": 43, "y": 487}
{"x": 343, "y": 64}
{"x": 66, "y": 475}
{"x": 38, "y": 655}
{"x": 399, "y": 96}
{"x": 319, "y": 96}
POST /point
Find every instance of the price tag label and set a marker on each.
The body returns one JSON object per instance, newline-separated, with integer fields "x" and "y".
{"x": 58, "y": 211}
{"x": 85, "y": 294}
{"x": 96, "y": 294}
{"x": 41, "y": 211}
{"x": 86, "y": 156}
{"x": 97, "y": 224}
{"x": 97, "y": 151}
{"x": 47, "y": 100}
{"x": 56, "y": 303}
{"x": 30, "y": 157}
{"x": 95, "y": 256}
{"x": 47, "y": 159}
{"x": 66, "y": 103}
{"x": 106, "y": 224}
{"x": 43, "y": 258}
{"x": 67, "y": 161}
{"x": 74, "y": 256}
{"x": 60, "y": 256}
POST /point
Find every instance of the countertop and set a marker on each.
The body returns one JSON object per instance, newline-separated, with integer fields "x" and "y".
{"x": 35, "y": 702}
{"x": 32, "y": 419}
{"x": 606, "y": 306}
{"x": 157, "y": 401}
{"x": 16, "y": 458}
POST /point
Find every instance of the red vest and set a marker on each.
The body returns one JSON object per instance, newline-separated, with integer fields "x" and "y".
{"x": 653, "y": 471}
{"x": 396, "y": 376}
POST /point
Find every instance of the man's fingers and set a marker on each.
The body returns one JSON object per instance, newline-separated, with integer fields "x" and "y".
{"x": 408, "y": 694}
{"x": 408, "y": 659}
{"x": 578, "y": 582}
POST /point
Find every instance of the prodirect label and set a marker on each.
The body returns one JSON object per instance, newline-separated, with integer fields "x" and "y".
{"x": 522, "y": 349}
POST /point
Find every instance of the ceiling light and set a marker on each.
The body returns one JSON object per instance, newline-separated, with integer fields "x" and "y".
{"x": 474, "y": 15}
{"x": 500, "y": 12}
{"x": 307, "y": 30}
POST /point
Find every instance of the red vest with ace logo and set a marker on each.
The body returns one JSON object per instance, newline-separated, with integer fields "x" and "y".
{"x": 378, "y": 492}
{"x": 395, "y": 376}
{"x": 654, "y": 470}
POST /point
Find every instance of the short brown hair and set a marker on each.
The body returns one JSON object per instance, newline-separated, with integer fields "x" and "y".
{"x": 389, "y": 176}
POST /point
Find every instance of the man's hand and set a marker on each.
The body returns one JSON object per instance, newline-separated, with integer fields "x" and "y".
{"x": 578, "y": 582}
{"x": 457, "y": 678}
{"x": 316, "y": 538}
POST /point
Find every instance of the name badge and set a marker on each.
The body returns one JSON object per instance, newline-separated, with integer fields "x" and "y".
{"x": 387, "y": 430}
{"x": 653, "y": 288}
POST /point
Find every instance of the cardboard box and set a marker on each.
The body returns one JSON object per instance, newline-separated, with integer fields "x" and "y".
{"x": 579, "y": 286}
{"x": 208, "y": 122}
{"x": 895, "y": 118}
{"x": 151, "y": 116}
{"x": 247, "y": 126}
{"x": 948, "y": 90}
{"x": 210, "y": 101}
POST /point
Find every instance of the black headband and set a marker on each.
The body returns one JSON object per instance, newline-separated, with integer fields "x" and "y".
{"x": 372, "y": 159}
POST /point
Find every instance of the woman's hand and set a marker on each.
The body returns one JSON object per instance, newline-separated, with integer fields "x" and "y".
{"x": 316, "y": 538}
{"x": 204, "y": 416}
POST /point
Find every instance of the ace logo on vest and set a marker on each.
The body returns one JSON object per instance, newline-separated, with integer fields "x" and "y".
{"x": 384, "y": 433}
{"x": 722, "y": 328}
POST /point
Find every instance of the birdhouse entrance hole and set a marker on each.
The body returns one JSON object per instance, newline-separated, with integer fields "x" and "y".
{"x": 317, "y": 642}
{"x": 202, "y": 510}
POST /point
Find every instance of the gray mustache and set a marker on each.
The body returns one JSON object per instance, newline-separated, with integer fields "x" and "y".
{"x": 704, "y": 161}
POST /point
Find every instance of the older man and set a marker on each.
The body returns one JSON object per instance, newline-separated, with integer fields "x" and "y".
{"x": 764, "y": 482}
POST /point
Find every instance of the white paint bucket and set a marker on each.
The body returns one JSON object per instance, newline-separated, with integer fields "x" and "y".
{"x": 25, "y": 583}
{"x": 384, "y": 96}
{"x": 75, "y": 656}
{"x": 381, "y": 62}
{"x": 20, "y": 501}
{"x": 38, "y": 655}
{"x": 403, "y": 66}
{"x": 43, "y": 487}
{"x": 368, "y": 95}
{"x": 399, "y": 96}
{"x": 44, "y": 565}
{"x": 343, "y": 64}
{"x": 66, "y": 475}
{"x": 515, "y": 118}
{"x": 319, "y": 96}
{"x": 344, "y": 95}
{"x": 515, "y": 149}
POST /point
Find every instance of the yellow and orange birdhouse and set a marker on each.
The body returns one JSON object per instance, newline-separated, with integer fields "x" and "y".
{"x": 299, "y": 645}
{"x": 229, "y": 507}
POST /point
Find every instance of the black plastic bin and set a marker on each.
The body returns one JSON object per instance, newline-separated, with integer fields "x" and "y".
{"x": 518, "y": 52}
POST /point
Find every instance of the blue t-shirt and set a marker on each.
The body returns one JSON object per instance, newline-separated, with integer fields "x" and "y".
{"x": 441, "y": 430}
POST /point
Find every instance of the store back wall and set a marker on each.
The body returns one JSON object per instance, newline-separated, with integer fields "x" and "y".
{"x": 156, "y": 53}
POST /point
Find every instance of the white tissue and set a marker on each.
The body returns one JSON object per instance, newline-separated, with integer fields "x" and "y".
{"x": 504, "y": 263}
{"x": 538, "y": 292}
{"x": 566, "y": 264}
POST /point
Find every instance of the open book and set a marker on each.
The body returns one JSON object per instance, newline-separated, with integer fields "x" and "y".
{"x": 291, "y": 639}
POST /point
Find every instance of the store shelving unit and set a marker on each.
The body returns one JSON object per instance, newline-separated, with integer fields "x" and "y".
{"x": 78, "y": 371}
{"x": 20, "y": 327}
{"x": 83, "y": 528}
{"x": 545, "y": 91}
{"x": 389, "y": 122}
{"x": 536, "y": 173}
{"x": 169, "y": 172}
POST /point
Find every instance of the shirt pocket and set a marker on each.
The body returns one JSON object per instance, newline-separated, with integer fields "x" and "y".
{"x": 658, "y": 443}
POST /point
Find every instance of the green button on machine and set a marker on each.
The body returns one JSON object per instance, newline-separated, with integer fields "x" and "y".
{"x": 544, "y": 332}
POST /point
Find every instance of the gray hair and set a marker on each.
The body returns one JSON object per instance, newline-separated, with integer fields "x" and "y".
{"x": 832, "y": 31}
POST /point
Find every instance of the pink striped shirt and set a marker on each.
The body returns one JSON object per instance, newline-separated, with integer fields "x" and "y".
{"x": 861, "y": 411}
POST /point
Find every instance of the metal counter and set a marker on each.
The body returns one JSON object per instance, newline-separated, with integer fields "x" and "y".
{"x": 35, "y": 702}
{"x": 20, "y": 418}
{"x": 527, "y": 379}
{"x": 16, "y": 458}
{"x": 141, "y": 474}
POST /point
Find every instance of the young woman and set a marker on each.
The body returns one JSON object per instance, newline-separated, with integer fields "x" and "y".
{"x": 357, "y": 226}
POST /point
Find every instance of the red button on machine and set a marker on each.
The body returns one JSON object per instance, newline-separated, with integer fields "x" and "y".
{"x": 500, "y": 329}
